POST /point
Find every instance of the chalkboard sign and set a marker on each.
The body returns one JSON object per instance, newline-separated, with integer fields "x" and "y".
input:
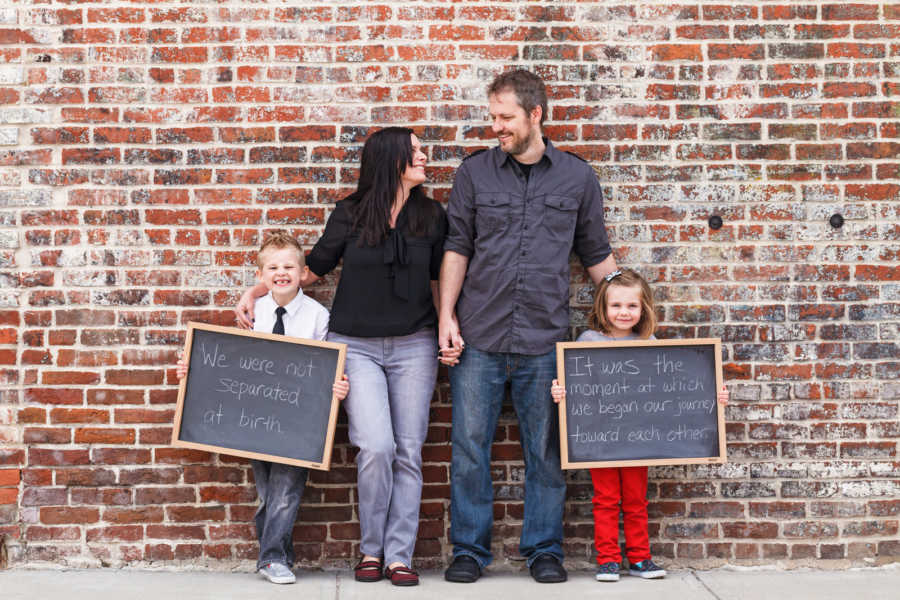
{"x": 640, "y": 402}
{"x": 259, "y": 395}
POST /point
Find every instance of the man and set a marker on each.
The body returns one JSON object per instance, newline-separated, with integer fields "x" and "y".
{"x": 515, "y": 213}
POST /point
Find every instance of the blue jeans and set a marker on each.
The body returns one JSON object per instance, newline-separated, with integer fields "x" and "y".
{"x": 477, "y": 388}
{"x": 391, "y": 385}
{"x": 280, "y": 488}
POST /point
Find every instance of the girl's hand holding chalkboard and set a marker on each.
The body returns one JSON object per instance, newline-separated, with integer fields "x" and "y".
{"x": 722, "y": 396}
{"x": 181, "y": 367}
{"x": 557, "y": 391}
{"x": 341, "y": 388}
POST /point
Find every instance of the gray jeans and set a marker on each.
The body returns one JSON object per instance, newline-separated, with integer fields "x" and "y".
{"x": 391, "y": 385}
{"x": 280, "y": 489}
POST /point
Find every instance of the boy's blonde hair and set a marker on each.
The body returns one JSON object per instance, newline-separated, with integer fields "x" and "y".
{"x": 278, "y": 240}
{"x": 625, "y": 278}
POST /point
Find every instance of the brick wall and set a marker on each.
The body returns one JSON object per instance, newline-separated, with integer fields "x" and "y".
{"x": 147, "y": 145}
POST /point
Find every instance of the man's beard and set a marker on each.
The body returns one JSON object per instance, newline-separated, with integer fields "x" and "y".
{"x": 521, "y": 145}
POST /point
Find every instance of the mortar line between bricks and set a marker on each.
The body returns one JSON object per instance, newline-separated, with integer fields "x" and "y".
{"x": 705, "y": 586}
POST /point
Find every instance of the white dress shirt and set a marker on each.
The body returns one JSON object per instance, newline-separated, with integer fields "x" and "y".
{"x": 305, "y": 318}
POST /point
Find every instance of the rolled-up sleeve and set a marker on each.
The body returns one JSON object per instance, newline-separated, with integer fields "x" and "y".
{"x": 591, "y": 242}
{"x": 328, "y": 251}
{"x": 461, "y": 215}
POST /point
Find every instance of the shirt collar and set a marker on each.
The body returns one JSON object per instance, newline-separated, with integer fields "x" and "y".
{"x": 550, "y": 153}
{"x": 291, "y": 307}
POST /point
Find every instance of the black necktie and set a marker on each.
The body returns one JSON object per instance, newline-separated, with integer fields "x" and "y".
{"x": 279, "y": 324}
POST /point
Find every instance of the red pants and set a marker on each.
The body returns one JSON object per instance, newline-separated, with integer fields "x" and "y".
{"x": 628, "y": 486}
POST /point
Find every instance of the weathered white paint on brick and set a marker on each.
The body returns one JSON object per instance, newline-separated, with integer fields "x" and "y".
{"x": 25, "y": 115}
{"x": 12, "y": 74}
{"x": 9, "y": 136}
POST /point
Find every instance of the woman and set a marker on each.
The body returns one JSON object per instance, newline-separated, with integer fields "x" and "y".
{"x": 390, "y": 237}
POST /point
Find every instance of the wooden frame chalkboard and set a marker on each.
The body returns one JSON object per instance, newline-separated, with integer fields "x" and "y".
{"x": 640, "y": 402}
{"x": 259, "y": 395}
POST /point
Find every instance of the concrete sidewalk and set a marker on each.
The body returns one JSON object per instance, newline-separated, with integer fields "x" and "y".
{"x": 724, "y": 584}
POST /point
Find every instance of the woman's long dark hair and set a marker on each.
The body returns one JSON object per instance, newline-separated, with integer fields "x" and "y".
{"x": 385, "y": 156}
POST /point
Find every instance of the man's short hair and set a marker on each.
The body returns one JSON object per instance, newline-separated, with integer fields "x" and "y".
{"x": 278, "y": 240}
{"x": 529, "y": 89}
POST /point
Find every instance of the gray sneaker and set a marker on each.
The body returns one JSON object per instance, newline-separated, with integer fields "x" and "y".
{"x": 608, "y": 572}
{"x": 277, "y": 573}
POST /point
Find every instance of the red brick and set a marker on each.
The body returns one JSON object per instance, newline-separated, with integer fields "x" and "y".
{"x": 84, "y": 477}
{"x": 95, "y": 435}
{"x": 10, "y": 477}
{"x": 134, "y": 377}
{"x": 191, "y": 514}
{"x": 245, "y": 176}
{"x": 114, "y": 396}
{"x": 181, "y": 456}
{"x": 120, "y": 456}
{"x": 218, "y": 551}
{"x": 11, "y": 456}
{"x": 68, "y": 514}
{"x": 175, "y": 532}
{"x": 131, "y": 533}
{"x": 36, "y": 533}
{"x": 101, "y": 496}
{"x": 141, "y": 415}
{"x": 165, "y": 495}
{"x": 184, "y": 135}
{"x": 54, "y": 395}
{"x": 183, "y": 54}
{"x": 122, "y": 135}
{"x": 245, "y": 135}
{"x": 54, "y": 95}
{"x": 736, "y": 51}
{"x": 134, "y": 515}
{"x": 230, "y": 494}
{"x": 78, "y": 415}
{"x": 849, "y": 12}
{"x": 62, "y": 135}
{"x": 159, "y": 552}
{"x": 155, "y": 436}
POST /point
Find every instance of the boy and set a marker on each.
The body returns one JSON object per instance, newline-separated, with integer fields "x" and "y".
{"x": 284, "y": 310}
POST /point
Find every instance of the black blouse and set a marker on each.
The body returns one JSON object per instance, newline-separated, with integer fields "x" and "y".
{"x": 384, "y": 290}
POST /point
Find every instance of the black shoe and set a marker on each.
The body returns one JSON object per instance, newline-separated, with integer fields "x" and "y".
{"x": 463, "y": 569}
{"x": 546, "y": 568}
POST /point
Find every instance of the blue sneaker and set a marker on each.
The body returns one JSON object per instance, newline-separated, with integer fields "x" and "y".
{"x": 608, "y": 572}
{"x": 647, "y": 569}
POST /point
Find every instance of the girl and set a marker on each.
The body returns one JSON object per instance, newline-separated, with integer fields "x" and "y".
{"x": 623, "y": 310}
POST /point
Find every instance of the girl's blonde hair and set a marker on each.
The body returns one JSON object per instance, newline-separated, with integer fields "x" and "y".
{"x": 625, "y": 278}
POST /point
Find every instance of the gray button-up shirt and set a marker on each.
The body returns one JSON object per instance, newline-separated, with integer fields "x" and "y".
{"x": 517, "y": 234}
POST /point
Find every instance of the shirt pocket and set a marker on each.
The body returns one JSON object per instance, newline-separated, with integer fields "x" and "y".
{"x": 492, "y": 214}
{"x": 558, "y": 220}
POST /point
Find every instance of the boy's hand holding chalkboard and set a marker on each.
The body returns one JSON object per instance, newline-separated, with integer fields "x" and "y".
{"x": 342, "y": 388}
{"x": 640, "y": 402}
{"x": 259, "y": 395}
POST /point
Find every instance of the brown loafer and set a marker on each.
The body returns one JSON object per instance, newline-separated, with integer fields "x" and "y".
{"x": 402, "y": 576}
{"x": 367, "y": 571}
